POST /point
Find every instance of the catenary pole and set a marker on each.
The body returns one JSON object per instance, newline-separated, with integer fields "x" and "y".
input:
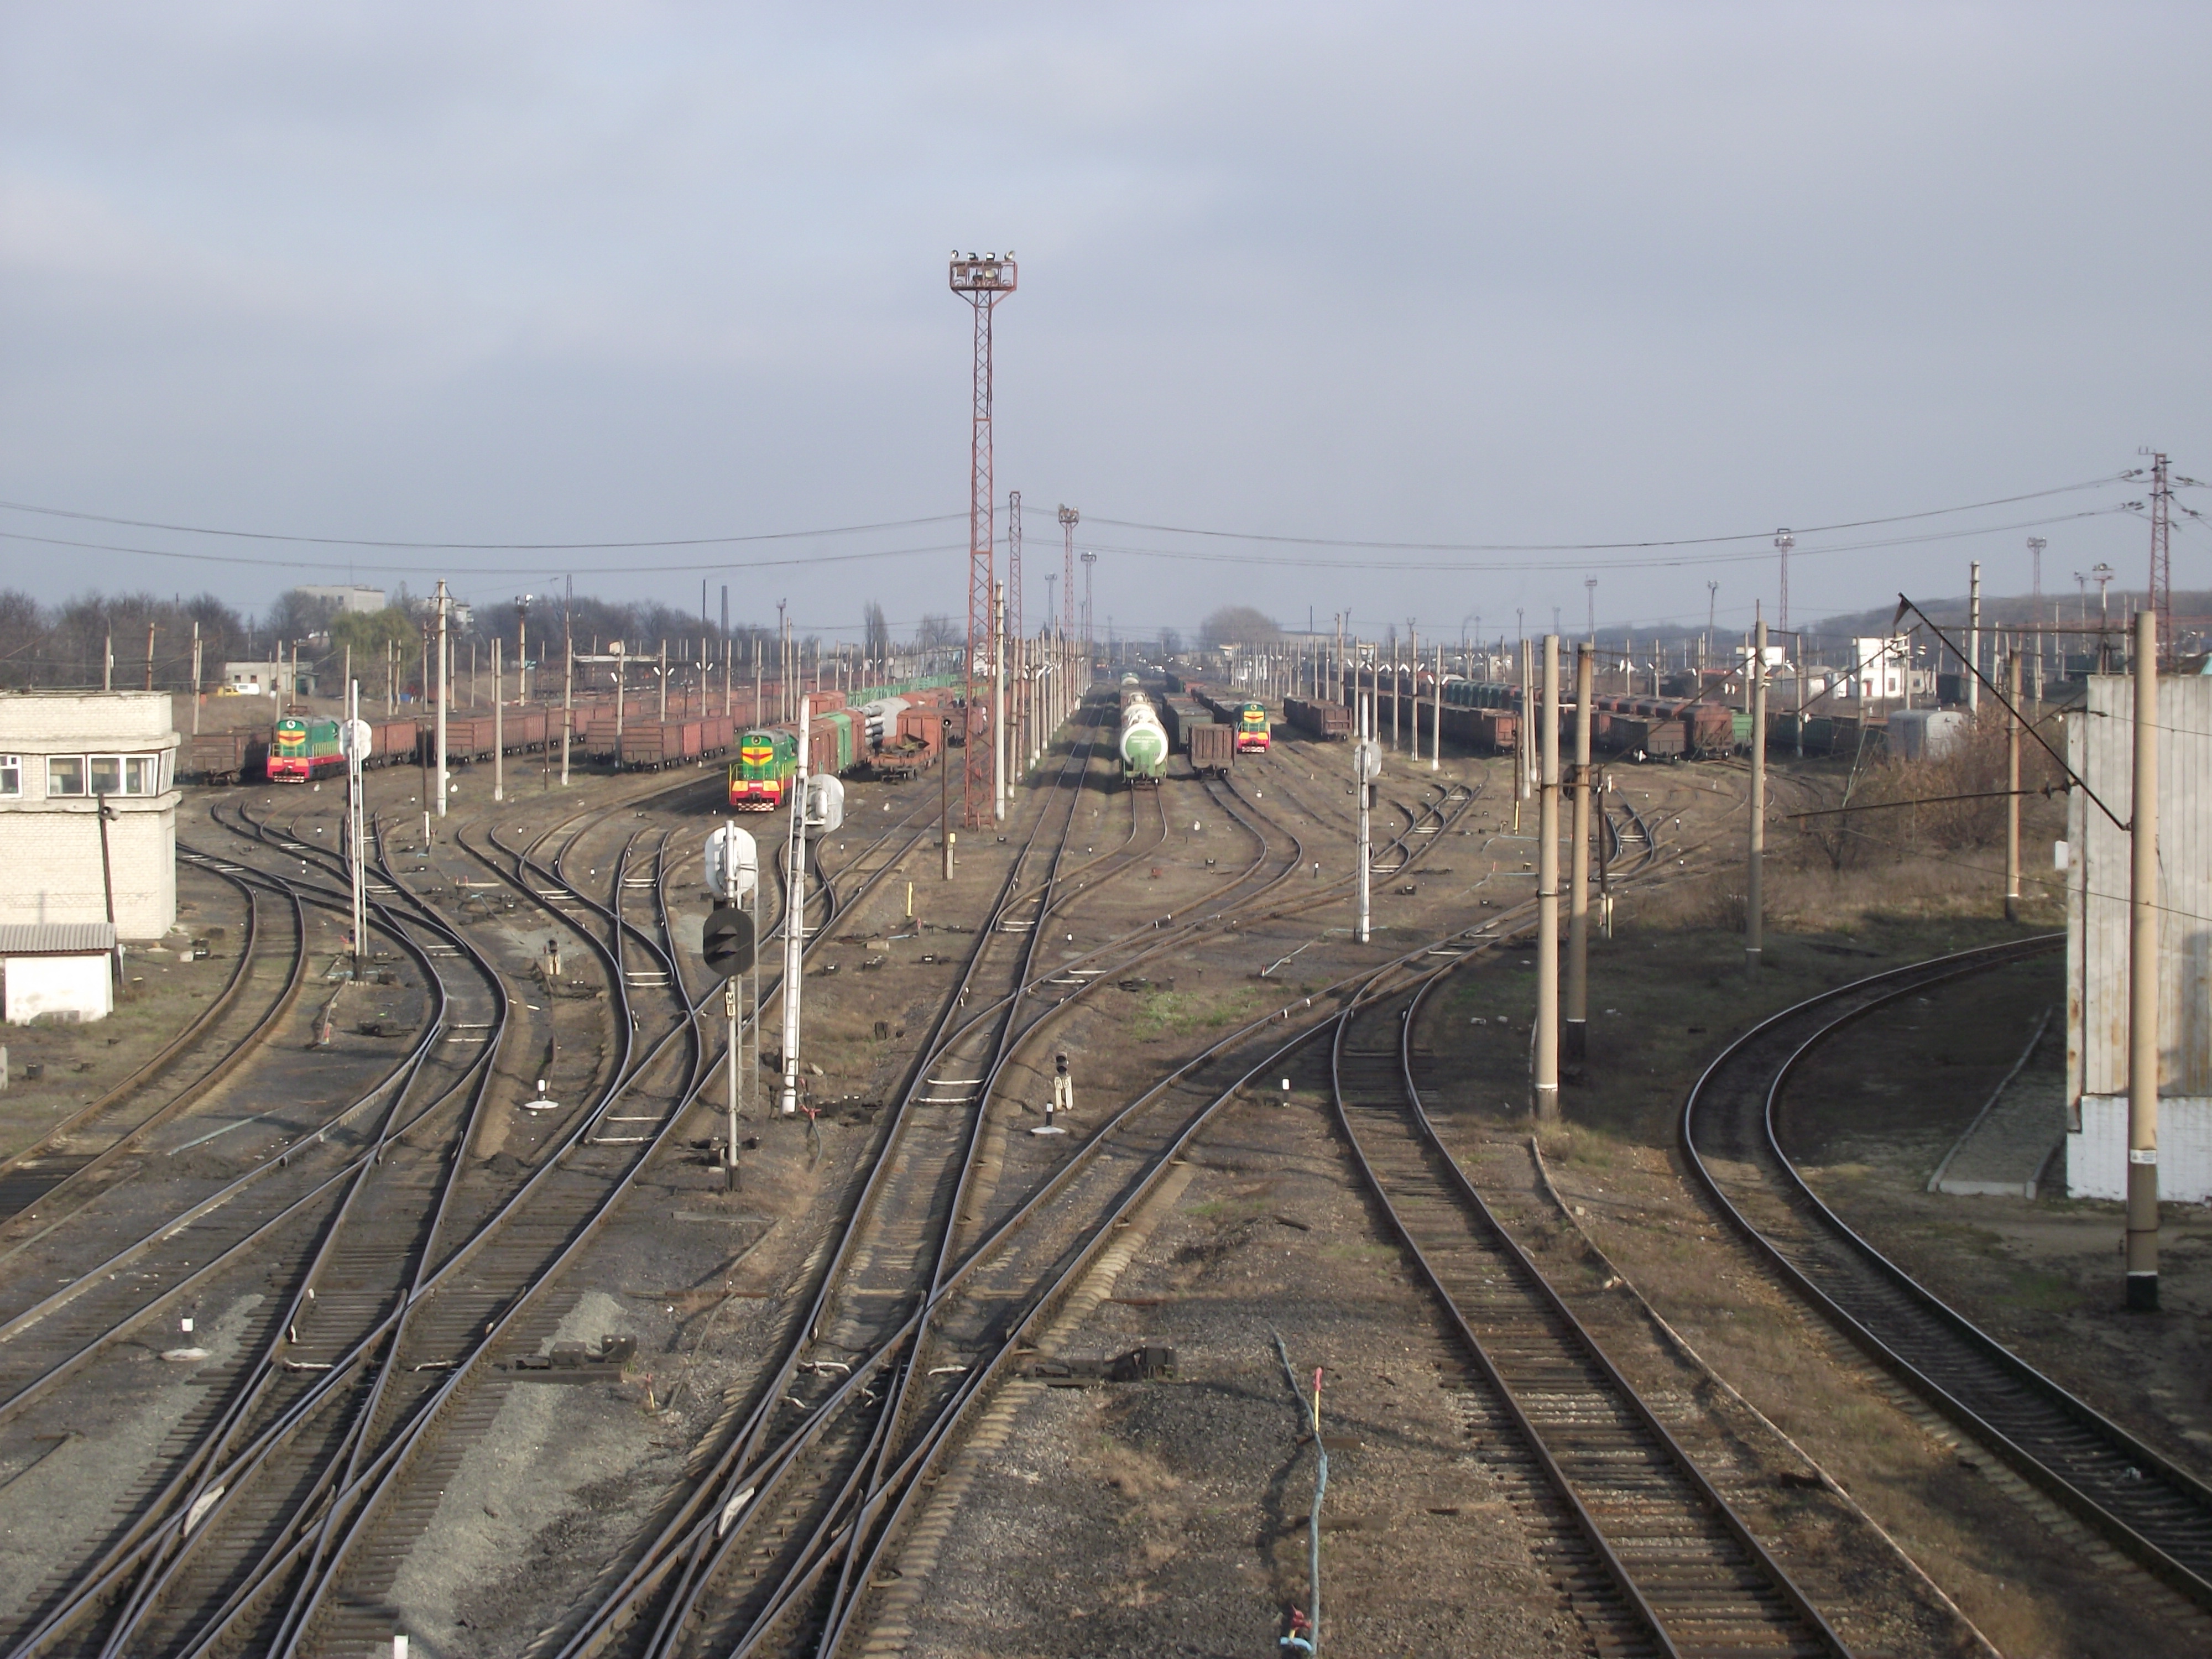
{"x": 794, "y": 917}
{"x": 1577, "y": 1031}
{"x": 1547, "y": 890}
{"x": 1752, "y": 931}
{"x": 2012, "y": 788}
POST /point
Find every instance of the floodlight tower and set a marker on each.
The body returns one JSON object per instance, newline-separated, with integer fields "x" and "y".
{"x": 1068, "y": 516}
{"x": 982, "y": 282}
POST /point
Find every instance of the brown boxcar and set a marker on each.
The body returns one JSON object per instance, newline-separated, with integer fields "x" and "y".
{"x": 1212, "y": 747}
{"x": 225, "y": 757}
{"x": 1329, "y": 721}
{"x": 394, "y": 742}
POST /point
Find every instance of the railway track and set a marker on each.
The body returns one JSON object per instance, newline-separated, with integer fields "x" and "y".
{"x": 61, "y": 1166}
{"x": 959, "y": 1336}
{"x": 1731, "y": 1129}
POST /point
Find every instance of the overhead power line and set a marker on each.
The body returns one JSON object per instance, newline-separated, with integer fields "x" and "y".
{"x": 475, "y": 547}
{"x": 1601, "y": 547}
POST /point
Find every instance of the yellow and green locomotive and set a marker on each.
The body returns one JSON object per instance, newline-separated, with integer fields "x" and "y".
{"x": 761, "y": 776}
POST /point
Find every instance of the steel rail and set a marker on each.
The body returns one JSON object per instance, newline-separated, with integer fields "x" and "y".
{"x": 1682, "y": 1561}
{"x": 171, "y": 1051}
{"x": 2137, "y": 1498}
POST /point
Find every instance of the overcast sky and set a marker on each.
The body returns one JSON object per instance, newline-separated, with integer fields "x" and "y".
{"x": 1453, "y": 274}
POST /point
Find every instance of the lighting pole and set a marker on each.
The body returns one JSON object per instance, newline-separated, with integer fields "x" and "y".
{"x": 2035, "y": 546}
{"x": 2102, "y": 575}
{"x": 1783, "y": 541}
{"x": 1589, "y": 597}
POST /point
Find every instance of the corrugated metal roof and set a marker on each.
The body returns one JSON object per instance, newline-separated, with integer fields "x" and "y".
{"x": 25, "y": 939}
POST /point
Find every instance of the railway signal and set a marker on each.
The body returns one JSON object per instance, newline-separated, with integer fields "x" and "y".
{"x": 730, "y": 943}
{"x": 727, "y": 942}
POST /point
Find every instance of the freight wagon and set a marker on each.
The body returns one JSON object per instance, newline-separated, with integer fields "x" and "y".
{"x": 224, "y": 757}
{"x": 1213, "y": 748}
{"x": 1329, "y": 721}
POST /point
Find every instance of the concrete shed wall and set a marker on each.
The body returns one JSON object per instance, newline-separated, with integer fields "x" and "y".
{"x": 2100, "y": 746}
{"x": 78, "y": 986}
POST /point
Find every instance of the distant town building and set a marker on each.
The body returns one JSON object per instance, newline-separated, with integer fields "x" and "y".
{"x": 262, "y": 679}
{"x": 2100, "y": 747}
{"x": 89, "y": 810}
{"x": 350, "y": 597}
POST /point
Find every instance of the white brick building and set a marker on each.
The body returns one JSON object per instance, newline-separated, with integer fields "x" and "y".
{"x": 63, "y": 756}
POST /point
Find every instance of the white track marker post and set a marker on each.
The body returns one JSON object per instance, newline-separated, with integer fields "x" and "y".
{"x": 2142, "y": 982}
{"x": 794, "y": 917}
{"x": 1547, "y": 890}
{"x": 1753, "y": 899}
{"x": 498, "y": 728}
{"x": 1576, "y": 1029}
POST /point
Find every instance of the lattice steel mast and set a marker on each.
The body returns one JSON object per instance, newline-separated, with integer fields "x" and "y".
{"x": 982, "y": 282}
{"x": 2162, "y": 558}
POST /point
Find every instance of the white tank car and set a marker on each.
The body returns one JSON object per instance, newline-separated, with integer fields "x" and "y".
{"x": 1144, "y": 742}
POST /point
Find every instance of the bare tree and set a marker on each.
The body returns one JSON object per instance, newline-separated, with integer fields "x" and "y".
{"x": 1239, "y": 625}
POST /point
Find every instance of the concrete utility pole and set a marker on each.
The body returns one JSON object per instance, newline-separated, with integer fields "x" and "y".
{"x": 1366, "y": 767}
{"x": 1577, "y": 1024}
{"x": 1973, "y": 638}
{"x": 1436, "y": 715}
{"x": 998, "y": 702}
{"x": 1547, "y": 893}
{"x": 568, "y": 702}
{"x": 794, "y": 918}
{"x": 2035, "y": 546}
{"x": 2142, "y": 980}
{"x": 195, "y": 679}
{"x": 1753, "y": 898}
{"x": 498, "y": 727}
{"x": 2012, "y": 790}
{"x": 443, "y": 696}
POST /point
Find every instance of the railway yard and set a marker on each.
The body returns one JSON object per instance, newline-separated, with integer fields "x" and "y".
{"x": 339, "y": 1309}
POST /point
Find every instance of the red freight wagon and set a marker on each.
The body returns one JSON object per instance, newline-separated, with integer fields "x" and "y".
{"x": 227, "y": 756}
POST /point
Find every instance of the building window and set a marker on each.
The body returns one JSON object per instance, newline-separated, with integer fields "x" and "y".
{"x": 142, "y": 775}
{"x": 107, "y": 772}
{"x": 66, "y": 775}
{"x": 11, "y": 775}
